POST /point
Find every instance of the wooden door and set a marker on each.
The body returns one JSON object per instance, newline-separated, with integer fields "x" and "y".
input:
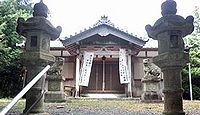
{"x": 111, "y": 74}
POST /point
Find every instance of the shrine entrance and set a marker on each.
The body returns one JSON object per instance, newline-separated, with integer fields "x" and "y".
{"x": 104, "y": 41}
{"x": 104, "y": 78}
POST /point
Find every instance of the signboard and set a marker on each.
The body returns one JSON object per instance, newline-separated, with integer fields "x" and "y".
{"x": 86, "y": 69}
{"x": 123, "y": 67}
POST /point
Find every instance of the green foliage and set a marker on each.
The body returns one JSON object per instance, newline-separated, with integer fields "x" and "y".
{"x": 10, "y": 11}
{"x": 194, "y": 53}
{"x": 25, "y": 5}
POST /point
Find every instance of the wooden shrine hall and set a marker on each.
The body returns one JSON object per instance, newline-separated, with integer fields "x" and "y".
{"x": 104, "y": 41}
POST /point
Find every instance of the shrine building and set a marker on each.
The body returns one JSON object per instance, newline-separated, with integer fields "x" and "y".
{"x": 105, "y": 42}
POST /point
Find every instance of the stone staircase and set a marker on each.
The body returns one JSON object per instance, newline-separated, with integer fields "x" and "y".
{"x": 103, "y": 95}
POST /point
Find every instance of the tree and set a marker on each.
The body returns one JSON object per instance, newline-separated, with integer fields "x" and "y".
{"x": 194, "y": 54}
{"x": 10, "y": 11}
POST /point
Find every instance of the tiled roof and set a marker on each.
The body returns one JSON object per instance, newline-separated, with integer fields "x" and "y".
{"x": 103, "y": 24}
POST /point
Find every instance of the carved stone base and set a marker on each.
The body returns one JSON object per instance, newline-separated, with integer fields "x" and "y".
{"x": 151, "y": 97}
{"x": 54, "y": 96}
{"x": 55, "y": 91}
{"x": 151, "y": 91}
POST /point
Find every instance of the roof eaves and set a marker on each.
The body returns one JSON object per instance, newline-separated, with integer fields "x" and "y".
{"x": 103, "y": 23}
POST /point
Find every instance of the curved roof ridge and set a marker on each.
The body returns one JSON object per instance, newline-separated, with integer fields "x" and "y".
{"x": 105, "y": 21}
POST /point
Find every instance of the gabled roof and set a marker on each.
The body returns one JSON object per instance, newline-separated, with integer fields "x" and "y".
{"x": 103, "y": 28}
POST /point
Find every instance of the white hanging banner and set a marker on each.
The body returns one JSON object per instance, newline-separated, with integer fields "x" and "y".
{"x": 123, "y": 67}
{"x": 86, "y": 69}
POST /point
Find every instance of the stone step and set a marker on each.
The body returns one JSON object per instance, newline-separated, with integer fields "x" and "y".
{"x": 103, "y": 95}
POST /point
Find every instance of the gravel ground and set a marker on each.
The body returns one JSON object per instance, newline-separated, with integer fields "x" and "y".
{"x": 98, "y": 107}
{"x": 51, "y": 109}
{"x": 85, "y": 110}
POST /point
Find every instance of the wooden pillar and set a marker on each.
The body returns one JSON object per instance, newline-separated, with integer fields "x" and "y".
{"x": 103, "y": 84}
{"x": 77, "y": 75}
{"x": 130, "y": 77}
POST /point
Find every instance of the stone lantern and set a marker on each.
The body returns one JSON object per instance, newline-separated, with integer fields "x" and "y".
{"x": 169, "y": 31}
{"x": 38, "y": 32}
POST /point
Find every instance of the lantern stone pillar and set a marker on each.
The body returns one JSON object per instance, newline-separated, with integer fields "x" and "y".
{"x": 38, "y": 32}
{"x": 169, "y": 31}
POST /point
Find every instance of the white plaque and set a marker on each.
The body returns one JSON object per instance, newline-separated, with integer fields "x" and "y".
{"x": 123, "y": 67}
{"x": 86, "y": 69}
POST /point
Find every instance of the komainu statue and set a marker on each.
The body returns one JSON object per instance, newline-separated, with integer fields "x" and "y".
{"x": 151, "y": 82}
{"x": 152, "y": 72}
{"x": 55, "y": 82}
{"x": 56, "y": 68}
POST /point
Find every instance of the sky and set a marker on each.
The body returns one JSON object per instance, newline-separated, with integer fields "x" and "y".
{"x": 129, "y": 15}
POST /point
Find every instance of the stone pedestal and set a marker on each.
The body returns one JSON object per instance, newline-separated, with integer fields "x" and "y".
{"x": 151, "y": 91}
{"x": 54, "y": 82}
{"x": 55, "y": 91}
{"x": 169, "y": 31}
{"x": 38, "y": 32}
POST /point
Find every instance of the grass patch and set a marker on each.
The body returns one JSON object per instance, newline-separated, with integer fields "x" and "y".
{"x": 154, "y": 107}
{"x": 19, "y": 105}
